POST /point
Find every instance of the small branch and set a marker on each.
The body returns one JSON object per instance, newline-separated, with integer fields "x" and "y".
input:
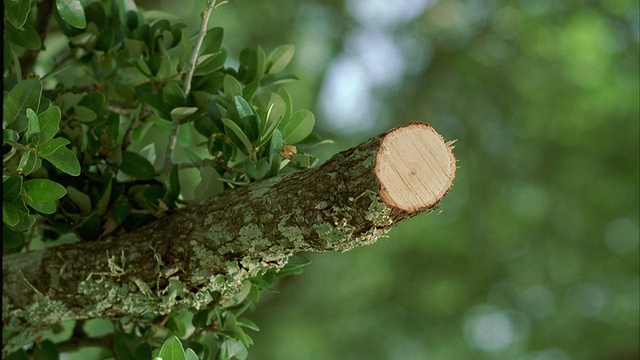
{"x": 191, "y": 67}
{"x": 173, "y": 140}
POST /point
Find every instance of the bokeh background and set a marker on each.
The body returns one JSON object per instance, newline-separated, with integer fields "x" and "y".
{"x": 534, "y": 254}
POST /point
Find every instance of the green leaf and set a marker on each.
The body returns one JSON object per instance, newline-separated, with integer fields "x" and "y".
{"x": 202, "y": 318}
{"x": 121, "y": 211}
{"x": 84, "y": 114}
{"x": 135, "y": 48}
{"x": 174, "y": 187}
{"x": 275, "y": 108}
{"x": 12, "y": 241}
{"x": 103, "y": 202}
{"x": 243, "y": 107}
{"x": 182, "y": 114}
{"x": 167, "y": 68}
{"x": 210, "y": 62}
{"x": 212, "y": 41}
{"x": 52, "y": 145}
{"x": 279, "y": 80}
{"x": 65, "y": 160}
{"x": 90, "y": 228}
{"x": 27, "y": 37}
{"x": 252, "y": 64}
{"x": 191, "y": 355}
{"x": 299, "y": 126}
{"x": 43, "y": 190}
{"x": 72, "y": 12}
{"x": 18, "y": 355}
{"x": 13, "y": 212}
{"x": 26, "y": 222}
{"x": 143, "y": 351}
{"x": 10, "y": 136}
{"x": 173, "y": 95}
{"x": 17, "y": 12}
{"x": 279, "y": 58}
{"x": 247, "y": 118}
{"x": 82, "y": 200}
{"x": 45, "y": 207}
{"x": 49, "y": 122}
{"x": 33, "y": 127}
{"x": 94, "y": 101}
{"x": 11, "y": 188}
{"x": 294, "y": 265}
{"x": 257, "y": 170}
{"x": 105, "y": 40}
{"x": 209, "y": 185}
{"x": 286, "y": 97}
{"x": 236, "y": 135}
{"x": 124, "y": 345}
{"x": 137, "y": 166}
{"x": 29, "y": 162}
{"x": 150, "y": 97}
{"x": 172, "y": 350}
{"x": 232, "y": 87}
{"x": 244, "y": 322}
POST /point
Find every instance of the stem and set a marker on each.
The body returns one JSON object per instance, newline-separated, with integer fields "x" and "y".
{"x": 191, "y": 67}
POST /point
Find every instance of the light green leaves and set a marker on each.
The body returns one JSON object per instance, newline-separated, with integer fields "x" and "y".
{"x": 39, "y": 194}
{"x": 43, "y": 127}
{"x": 298, "y": 127}
{"x": 63, "y": 159}
{"x": 72, "y": 12}
{"x": 279, "y": 58}
{"x": 43, "y": 190}
{"x": 172, "y": 350}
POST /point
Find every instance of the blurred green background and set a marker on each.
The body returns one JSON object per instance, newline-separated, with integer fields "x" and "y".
{"x": 535, "y": 252}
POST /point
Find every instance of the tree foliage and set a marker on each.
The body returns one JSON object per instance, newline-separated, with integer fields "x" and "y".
{"x": 111, "y": 139}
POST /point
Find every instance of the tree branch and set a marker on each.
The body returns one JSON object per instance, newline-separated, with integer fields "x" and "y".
{"x": 208, "y": 250}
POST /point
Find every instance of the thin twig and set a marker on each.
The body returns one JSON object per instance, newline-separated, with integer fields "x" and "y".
{"x": 191, "y": 68}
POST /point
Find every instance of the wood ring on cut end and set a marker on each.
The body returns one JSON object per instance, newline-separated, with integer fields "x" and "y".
{"x": 415, "y": 167}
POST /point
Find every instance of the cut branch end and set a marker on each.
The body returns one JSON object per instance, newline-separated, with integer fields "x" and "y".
{"x": 415, "y": 167}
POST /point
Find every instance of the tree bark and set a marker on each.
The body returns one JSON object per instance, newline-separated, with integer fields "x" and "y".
{"x": 207, "y": 252}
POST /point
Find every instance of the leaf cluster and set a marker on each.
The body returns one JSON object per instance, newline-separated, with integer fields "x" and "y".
{"x": 104, "y": 138}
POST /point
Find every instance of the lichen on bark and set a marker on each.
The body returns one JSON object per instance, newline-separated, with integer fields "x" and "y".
{"x": 202, "y": 253}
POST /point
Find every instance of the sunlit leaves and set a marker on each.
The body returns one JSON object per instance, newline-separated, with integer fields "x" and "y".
{"x": 298, "y": 127}
{"x": 72, "y": 12}
{"x": 65, "y": 160}
{"x": 105, "y": 117}
{"x": 279, "y": 58}
{"x": 43, "y": 190}
{"x": 172, "y": 350}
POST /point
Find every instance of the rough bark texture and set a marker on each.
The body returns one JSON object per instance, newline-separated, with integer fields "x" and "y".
{"x": 207, "y": 251}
